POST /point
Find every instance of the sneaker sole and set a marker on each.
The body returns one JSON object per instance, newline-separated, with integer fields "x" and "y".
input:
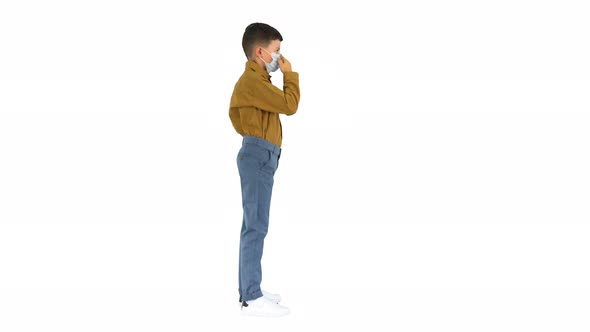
{"x": 260, "y": 314}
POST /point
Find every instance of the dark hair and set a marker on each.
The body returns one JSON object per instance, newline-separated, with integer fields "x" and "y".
{"x": 258, "y": 34}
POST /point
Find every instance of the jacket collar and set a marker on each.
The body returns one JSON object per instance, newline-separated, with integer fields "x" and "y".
{"x": 252, "y": 65}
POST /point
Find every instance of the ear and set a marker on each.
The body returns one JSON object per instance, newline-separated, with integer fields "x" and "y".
{"x": 258, "y": 51}
{"x": 254, "y": 54}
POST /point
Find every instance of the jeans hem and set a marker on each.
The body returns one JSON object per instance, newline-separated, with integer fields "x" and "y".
{"x": 252, "y": 296}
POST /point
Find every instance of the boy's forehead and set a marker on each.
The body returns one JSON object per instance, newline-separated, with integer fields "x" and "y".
{"x": 275, "y": 44}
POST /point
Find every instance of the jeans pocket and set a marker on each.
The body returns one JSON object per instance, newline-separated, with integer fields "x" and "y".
{"x": 254, "y": 156}
{"x": 267, "y": 159}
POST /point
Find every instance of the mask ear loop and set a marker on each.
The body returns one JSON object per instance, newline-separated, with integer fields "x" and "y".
{"x": 263, "y": 59}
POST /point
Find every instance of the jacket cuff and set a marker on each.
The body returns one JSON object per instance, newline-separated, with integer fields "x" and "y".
{"x": 291, "y": 75}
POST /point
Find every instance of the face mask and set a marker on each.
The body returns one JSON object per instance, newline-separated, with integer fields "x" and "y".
{"x": 274, "y": 64}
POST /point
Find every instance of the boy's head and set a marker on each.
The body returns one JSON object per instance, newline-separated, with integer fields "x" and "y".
{"x": 259, "y": 41}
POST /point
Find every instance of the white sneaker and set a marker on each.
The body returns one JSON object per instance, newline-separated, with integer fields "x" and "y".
{"x": 276, "y": 298}
{"x": 264, "y": 307}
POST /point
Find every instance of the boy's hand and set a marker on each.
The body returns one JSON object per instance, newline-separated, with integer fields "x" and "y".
{"x": 284, "y": 64}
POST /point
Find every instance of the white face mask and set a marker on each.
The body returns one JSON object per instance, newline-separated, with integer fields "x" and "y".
{"x": 274, "y": 64}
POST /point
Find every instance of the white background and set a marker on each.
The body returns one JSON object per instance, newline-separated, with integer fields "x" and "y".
{"x": 434, "y": 178}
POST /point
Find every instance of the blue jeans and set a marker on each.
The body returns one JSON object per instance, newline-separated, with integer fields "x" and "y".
{"x": 257, "y": 160}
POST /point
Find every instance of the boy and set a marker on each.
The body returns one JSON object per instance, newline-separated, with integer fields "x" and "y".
{"x": 254, "y": 112}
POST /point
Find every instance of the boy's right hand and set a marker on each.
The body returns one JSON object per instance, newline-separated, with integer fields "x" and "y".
{"x": 284, "y": 64}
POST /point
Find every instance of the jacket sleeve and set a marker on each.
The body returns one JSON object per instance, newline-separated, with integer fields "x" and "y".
{"x": 268, "y": 97}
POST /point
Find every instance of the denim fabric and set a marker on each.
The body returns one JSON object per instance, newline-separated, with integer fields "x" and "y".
{"x": 257, "y": 161}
